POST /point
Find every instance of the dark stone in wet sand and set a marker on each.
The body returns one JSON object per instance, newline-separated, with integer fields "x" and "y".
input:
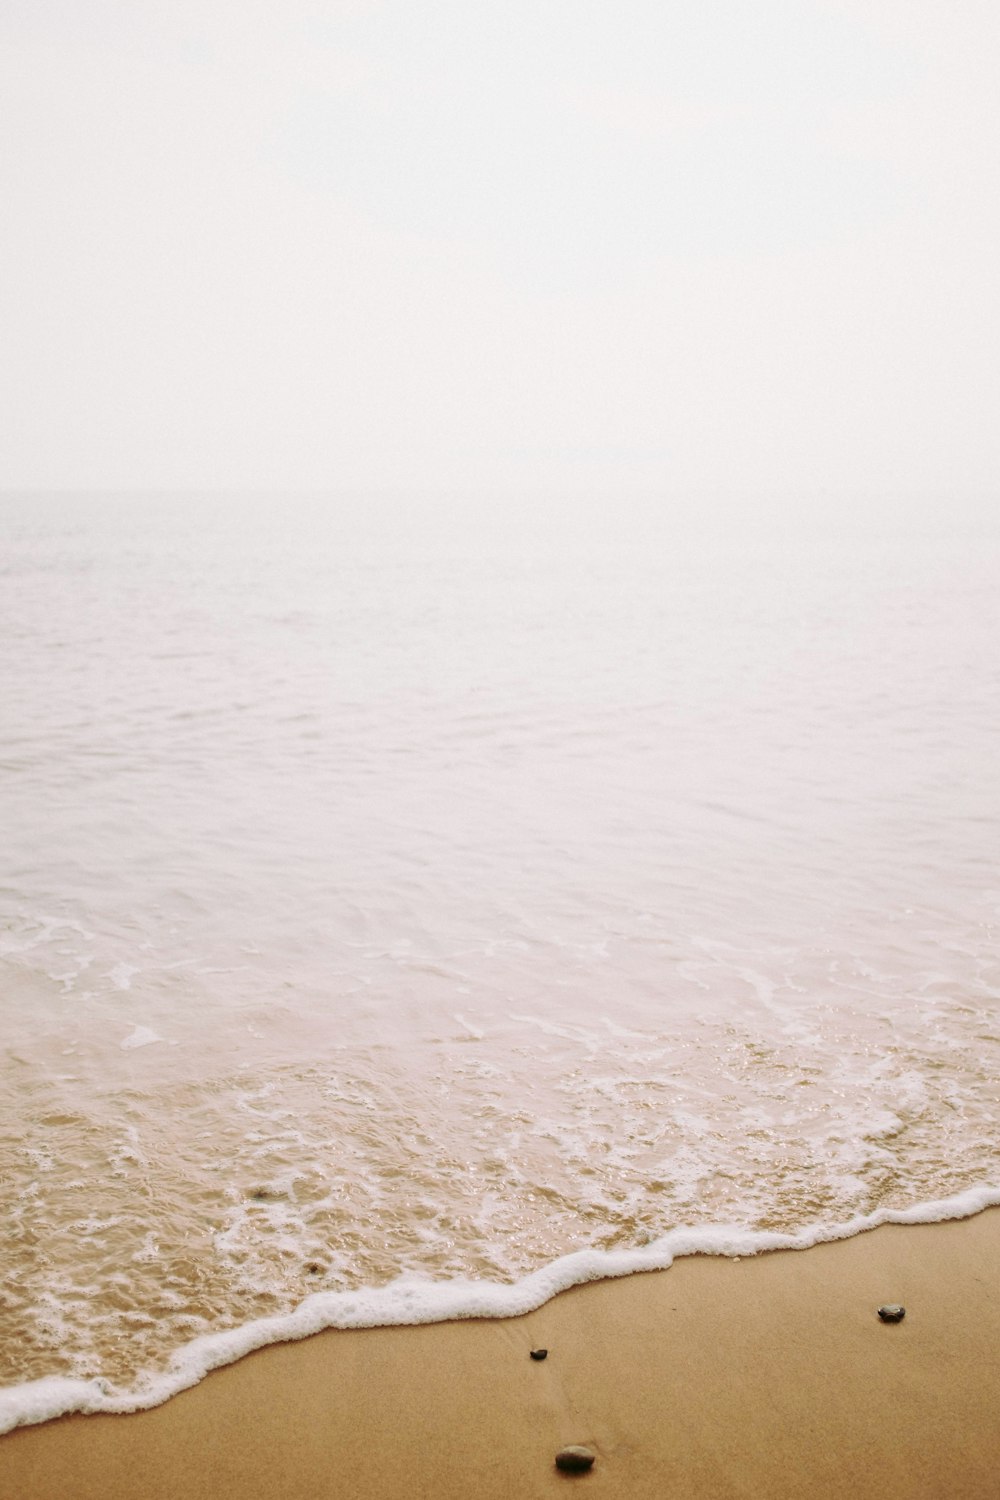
{"x": 539, "y": 1354}
{"x": 575, "y": 1459}
{"x": 892, "y": 1313}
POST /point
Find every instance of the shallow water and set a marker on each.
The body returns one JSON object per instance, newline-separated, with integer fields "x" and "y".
{"x": 444, "y": 890}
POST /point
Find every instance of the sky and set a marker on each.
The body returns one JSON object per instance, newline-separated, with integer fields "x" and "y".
{"x": 664, "y": 247}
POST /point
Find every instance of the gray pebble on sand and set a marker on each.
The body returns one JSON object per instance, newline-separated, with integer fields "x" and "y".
{"x": 575, "y": 1459}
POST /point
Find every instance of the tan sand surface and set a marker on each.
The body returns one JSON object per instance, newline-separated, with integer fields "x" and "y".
{"x": 767, "y": 1377}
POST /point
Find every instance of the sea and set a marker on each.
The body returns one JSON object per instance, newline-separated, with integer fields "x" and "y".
{"x": 412, "y": 906}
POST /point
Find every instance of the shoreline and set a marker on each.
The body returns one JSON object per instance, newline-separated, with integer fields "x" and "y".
{"x": 405, "y": 1303}
{"x": 765, "y": 1376}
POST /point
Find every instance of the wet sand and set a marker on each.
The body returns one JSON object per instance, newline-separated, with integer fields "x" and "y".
{"x": 768, "y": 1377}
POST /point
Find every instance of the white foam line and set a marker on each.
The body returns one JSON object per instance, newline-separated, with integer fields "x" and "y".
{"x": 410, "y": 1300}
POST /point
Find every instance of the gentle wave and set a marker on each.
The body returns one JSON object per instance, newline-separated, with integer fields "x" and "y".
{"x": 471, "y": 899}
{"x": 410, "y": 1300}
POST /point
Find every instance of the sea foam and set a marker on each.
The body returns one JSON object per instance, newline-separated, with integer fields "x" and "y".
{"x": 412, "y": 1300}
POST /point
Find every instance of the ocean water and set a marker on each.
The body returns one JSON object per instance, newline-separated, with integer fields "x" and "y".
{"x": 408, "y": 909}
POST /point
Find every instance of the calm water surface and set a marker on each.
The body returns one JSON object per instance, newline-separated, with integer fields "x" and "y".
{"x": 446, "y": 889}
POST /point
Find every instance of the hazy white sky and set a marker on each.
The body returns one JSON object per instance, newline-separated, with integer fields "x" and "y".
{"x": 651, "y": 245}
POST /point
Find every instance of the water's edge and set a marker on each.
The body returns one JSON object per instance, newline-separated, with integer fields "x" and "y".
{"x": 410, "y": 1300}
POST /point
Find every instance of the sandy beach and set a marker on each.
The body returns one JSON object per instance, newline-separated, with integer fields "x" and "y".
{"x": 770, "y": 1376}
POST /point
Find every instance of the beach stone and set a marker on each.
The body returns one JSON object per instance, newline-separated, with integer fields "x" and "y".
{"x": 575, "y": 1459}
{"x": 539, "y": 1354}
{"x": 892, "y": 1313}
